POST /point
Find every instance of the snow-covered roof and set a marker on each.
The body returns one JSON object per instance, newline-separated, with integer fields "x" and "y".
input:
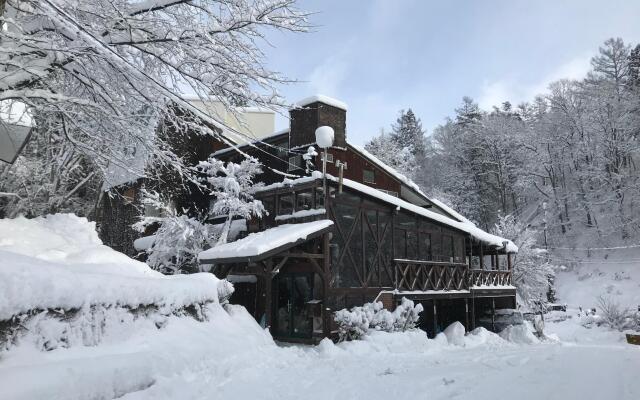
{"x": 464, "y": 225}
{"x": 320, "y": 98}
{"x": 260, "y": 245}
{"x": 402, "y": 178}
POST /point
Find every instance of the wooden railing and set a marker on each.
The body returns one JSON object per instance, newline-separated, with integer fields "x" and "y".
{"x": 414, "y": 275}
{"x": 479, "y": 277}
{"x": 430, "y": 275}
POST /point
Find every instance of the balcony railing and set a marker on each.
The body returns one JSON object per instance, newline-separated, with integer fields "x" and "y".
{"x": 430, "y": 275}
{"x": 415, "y": 275}
{"x": 480, "y": 277}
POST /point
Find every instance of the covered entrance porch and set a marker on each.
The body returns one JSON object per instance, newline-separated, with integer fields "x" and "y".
{"x": 280, "y": 276}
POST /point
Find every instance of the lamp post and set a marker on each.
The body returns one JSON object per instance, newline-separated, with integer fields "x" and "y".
{"x": 324, "y": 140}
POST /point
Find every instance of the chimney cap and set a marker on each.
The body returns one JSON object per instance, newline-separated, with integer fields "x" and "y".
{"x": 319, "y": 98}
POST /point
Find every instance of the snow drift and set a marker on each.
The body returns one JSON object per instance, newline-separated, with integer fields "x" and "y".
{"x": 63, "y": 287}
{"x": 58, "y": 262}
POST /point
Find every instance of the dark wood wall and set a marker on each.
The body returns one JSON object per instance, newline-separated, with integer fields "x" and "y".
{"x": 356, "y": 164}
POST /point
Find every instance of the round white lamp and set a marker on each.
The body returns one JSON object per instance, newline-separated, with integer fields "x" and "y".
{"x": 324, "y": 137}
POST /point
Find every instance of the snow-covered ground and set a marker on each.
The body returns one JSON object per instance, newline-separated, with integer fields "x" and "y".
{"x": 166, "y": 355}
{"x": 588, "y": 274}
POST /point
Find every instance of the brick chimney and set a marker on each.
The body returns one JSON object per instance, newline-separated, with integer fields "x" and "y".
{"x": 313, "y": 112}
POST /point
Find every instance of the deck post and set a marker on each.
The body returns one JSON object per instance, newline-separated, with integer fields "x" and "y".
{"x": 435, "y": 318}
{"x": 466, "y": 314}
{"x": 481, "y": 256}
{"x": 268, "y": 279}
{"x": 493, "y": 262}
{"x": 473, "y": 313}
{"x": 326, "y": 311}
{"x": 493, "y": 314}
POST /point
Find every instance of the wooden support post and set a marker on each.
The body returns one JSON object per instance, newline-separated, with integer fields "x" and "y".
{"x": 497, "y": 261}
{"x": 466, "y": 314}
{"x": 493, "y": 314}
{"x": 481, "y": 256}
{"x": 268, "y": 300}
{"x": 493, "y": 262}
{"x": 435, "y": 318}
{"x": 509, "y": 262}
{"x": 326, "y": 310}
{"x": 473, "y": 313}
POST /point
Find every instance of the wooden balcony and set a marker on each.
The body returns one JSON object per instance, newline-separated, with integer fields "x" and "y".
{"x": 415, "y": 275}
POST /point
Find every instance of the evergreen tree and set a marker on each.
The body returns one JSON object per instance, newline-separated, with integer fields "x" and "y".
{"x": 407, "y": 132}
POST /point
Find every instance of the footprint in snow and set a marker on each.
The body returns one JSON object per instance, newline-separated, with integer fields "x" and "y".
{"x": 448, "y": 382}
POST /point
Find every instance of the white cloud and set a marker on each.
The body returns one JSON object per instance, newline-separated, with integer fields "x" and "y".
{"x": 509, "y": 89}
{"x": 328, "y": 76}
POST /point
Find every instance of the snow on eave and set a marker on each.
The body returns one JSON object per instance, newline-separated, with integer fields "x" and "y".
{"x": 259, "y": 245}
{"x": 449, "y": 210}
{"x": 465, "y": 226}
{"x": 322, "y": 99}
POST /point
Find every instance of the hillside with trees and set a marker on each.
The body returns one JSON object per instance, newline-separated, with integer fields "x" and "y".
{"x": 566, "y": 163}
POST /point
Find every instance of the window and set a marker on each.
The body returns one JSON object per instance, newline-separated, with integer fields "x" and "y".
{"x": 400, "y": 241}
{"x": 368, "y": 176}
{"x": 447, "y": 248}
{"x": 412, "y": 245}
{"x": 329, "y": 157}
{"x": 424, "y": 246}
{"x": 286, "y": 204}
{"x": 269, "y": 204}
{"x": 304, "y": 200}
{"x": 295, "y": 162}
{"x": 319, "y": 191}
{"x": 389, "y": 192}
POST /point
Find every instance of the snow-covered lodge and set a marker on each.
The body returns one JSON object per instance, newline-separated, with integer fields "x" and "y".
{"x": 360, "y": 233}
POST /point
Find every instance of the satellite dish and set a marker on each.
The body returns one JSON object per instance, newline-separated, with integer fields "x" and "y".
{"x": 15, "y": 128}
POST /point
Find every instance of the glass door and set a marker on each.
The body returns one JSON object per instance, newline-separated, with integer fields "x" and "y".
{"x": 293, "y": 317}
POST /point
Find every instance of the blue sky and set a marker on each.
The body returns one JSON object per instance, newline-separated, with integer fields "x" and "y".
{"x": 383, "y": 56}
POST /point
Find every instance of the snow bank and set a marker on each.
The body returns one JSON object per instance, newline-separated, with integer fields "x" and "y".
{"x": 58, "y": 262}
{"x": 455, "y": 334}
{"x": 227, "y": 342}
{"x": 520, "y": 334}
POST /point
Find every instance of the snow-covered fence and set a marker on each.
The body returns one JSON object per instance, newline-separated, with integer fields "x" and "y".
{"x": 353, "y": 324}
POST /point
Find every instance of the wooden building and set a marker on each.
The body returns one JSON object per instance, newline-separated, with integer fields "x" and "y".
{"x": 371, "y": 235}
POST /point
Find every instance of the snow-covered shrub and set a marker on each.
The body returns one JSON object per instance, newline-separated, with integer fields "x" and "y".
{"x": 532, "y": 273}
{"x": 613, "y": 314}
{"x": 353, "y": 324}
{"x": 232, "y": 187}
{"x": 177, "y": 244}
{"x": 179, "y": 238}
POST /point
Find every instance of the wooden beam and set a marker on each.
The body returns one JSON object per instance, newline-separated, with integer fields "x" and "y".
{"x": 302, "y": 255}
{"x": 326, "y": 277}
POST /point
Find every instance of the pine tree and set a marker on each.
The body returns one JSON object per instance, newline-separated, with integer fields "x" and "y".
{"x": 407, "y": 132}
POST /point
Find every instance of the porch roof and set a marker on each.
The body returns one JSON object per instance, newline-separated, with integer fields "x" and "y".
{"x": 261, "y": 245}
